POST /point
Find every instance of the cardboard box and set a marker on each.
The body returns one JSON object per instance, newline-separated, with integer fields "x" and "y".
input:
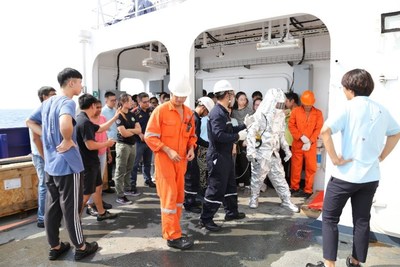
{"x": 18, "y": 188}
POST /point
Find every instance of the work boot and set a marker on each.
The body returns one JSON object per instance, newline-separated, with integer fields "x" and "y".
{"x": 182, "y": 243}
{"x": 253, "y": 203}
{"x": 237, "y": 216}
{"x": 194, "y": 209}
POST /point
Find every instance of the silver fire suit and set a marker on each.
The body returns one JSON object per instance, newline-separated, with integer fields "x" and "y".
{"x": 264, "y": 139}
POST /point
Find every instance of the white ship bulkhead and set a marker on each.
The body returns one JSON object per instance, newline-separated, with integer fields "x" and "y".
{"x": 354, "y": 40}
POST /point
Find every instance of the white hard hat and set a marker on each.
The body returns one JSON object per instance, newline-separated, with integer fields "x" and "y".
{"x": 179, "y": 86}
{"x": 222, "y": 86}
{"x": 207, "y": 102}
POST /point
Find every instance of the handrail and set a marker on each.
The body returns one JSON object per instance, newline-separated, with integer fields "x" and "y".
{"x": 109, "y": 12}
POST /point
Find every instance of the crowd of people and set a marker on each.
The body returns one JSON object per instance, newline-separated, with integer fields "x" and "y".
{"x": 202, "y": 156}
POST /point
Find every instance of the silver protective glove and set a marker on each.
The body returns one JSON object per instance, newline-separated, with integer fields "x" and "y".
{"x": 304, "y": 139}
{"x": 251, "y": 158}
{"x": 242, "y": 134}
{"x": 288, "y": 155}
{"x": 248, "y": 120}
{"x": 306, "y": 146}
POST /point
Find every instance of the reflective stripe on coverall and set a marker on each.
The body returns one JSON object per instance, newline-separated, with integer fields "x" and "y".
{"x": 221, "y": 178}
{"x": 165, "y": 127}
{"x": 299, "y": 125}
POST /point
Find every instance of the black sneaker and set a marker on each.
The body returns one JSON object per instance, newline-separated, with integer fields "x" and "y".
{"x": 106, "y": 216}
{"x": 182, "y": 243}
{"x": 150, "y": 183}
{"x": 123, "y": 200}
{"x": 55, "y": 253}
{"x": 318, "y": 264}
{"x": 90, "y": 249}
{"x": 91, "y": 210}
{"x": 211, "y": 226}
{"x": 237, "y": 216}
{"x": 106, "y": 205}
{"x": 40, "y": 224}
{"x": 109, "y": 190}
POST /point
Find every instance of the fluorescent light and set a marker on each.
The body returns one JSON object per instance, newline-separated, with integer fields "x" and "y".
{"x": 277, "y": 44}
{"x": 152, "y": 63}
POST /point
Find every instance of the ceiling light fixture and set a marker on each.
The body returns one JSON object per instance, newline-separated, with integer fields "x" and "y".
{"x": 158, "y": 62}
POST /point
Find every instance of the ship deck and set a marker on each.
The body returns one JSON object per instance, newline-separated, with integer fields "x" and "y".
{"x": 268, "y": 236}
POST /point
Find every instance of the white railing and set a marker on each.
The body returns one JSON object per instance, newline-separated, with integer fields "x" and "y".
{"x": 109, "y": 12}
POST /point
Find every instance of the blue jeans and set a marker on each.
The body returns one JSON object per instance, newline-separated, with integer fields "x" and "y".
{"x": 142, "y": 151}
{"x": 38, "y": 162}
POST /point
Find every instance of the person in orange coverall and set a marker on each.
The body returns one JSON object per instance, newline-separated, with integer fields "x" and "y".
{"x": 305, "y": 124}
{"x": 170, "y": 133}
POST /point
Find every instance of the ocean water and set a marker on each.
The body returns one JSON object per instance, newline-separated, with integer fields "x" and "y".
{"x": 10, "y": 118}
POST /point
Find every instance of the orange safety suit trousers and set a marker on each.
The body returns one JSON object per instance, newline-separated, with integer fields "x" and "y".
{"x": 170, "y": 180}
{"x": 310, "y": 158}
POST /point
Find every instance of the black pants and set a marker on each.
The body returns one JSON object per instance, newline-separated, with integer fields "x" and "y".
{"x": 64, "y": 199}
{"x": 111, "y": 166}
{"x": 336, "y": 196}
{"x": 242, "y": 165}
{"x": 192, "y": 182}
{"x": 221, "y": 187}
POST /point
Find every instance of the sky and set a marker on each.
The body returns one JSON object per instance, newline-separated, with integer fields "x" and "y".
{"x": 39, "y": 39}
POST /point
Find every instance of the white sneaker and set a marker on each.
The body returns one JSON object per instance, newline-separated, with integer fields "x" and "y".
{"x": 290, "y": 206}
{"x": 253, "y": 203}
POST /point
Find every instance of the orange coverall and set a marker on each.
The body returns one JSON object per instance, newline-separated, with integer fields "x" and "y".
{"x": 300, "y": 124}
{"x": 165, "y": 127}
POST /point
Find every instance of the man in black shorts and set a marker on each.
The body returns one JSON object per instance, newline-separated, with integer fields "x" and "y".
{"x": 88, "y": 147}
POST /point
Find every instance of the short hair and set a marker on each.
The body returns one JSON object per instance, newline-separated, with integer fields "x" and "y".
{"x": 221, "y": 95}
{"x": 162, "y": 95}
{"x": 359, "y": 81}
{"x": 257, "y": 94}
{"x": 211, "y": 95}
{"x": 108, "y": 94}
{"x": 293, "y": 96}
{"x": 204, "y": 92}
{"x": 154, "y": 98}
{"x": 141, "y": 96}
{"x": 45, "y": 91}
{"x": 86, "y": 100}
{"x": 66, "y": 74}
{"x": 167, "y": 96}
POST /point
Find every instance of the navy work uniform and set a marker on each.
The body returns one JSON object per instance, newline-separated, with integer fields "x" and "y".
{"x": 221, "y": 178}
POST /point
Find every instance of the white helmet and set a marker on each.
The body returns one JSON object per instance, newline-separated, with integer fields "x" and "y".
{"x": 207, "y": 102}
{"x": 179, "y": 85}
{"x": 222, "y": 86}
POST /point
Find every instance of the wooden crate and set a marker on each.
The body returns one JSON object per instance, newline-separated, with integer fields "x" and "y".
{"x": 18, "y": 188}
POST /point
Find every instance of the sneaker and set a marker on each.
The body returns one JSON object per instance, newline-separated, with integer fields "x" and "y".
{"x": 91, "y": 210}
{"x": 210, "y": 226}
{"x": 109, "y": 190}
{"x": 106, "y": 205}
{"x": 290, "y": 206}
{"x": 123, "y": 200}
{"x": 350, "y": 264}
{"x": 106, "y": 216}
{"x": 237, "y": 216}
{"x": 318, "y": 264}
{"x": 55, "y": 253}
{"x": 149, "y": 183}
{"x": 182, "y": 243}
{"x": 40, "y": 224}
{"x": 133, "y": 192}
{"x": 90, "y": 249}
